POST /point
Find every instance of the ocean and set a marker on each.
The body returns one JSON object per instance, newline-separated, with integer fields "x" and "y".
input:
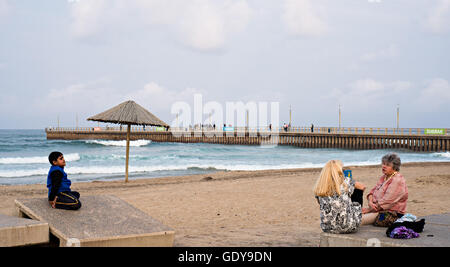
{"x": 24, "y": 158}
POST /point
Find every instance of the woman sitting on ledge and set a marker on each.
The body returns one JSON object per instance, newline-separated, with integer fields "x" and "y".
{"x": 387, "y": 200}
{"x": 334, "y": 192}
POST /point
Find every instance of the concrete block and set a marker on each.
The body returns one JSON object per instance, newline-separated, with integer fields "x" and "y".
{"x": 436, "y": 233}
{"x": 16, "y": 231}
{"x": 101, "y": 221}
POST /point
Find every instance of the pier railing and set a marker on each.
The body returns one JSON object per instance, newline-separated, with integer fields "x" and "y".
{"x": 416, "y": 139}
{"x": 321, "y": 130}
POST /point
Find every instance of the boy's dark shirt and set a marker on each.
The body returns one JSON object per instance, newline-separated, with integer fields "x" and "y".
{"x": 56, "y": 177}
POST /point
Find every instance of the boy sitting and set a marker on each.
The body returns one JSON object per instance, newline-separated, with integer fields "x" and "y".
{"x": 59, "y": 194}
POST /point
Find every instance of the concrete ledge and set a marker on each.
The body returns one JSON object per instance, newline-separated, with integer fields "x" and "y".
{"x": 16, "y": 231}
{"x": 436, "y": 233}
{"x": 101, "y": 221}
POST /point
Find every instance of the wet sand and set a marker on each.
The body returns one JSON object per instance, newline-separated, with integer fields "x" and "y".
{"x": 247, "y": 208}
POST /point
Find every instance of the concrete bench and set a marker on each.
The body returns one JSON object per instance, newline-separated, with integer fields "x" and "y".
{"x": 16, "y": 231}
{"x": 436, "y": 233}
{"x": 101, "y": 221}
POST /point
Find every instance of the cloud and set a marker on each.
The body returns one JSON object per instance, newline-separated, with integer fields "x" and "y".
{"x": 366, "y": 87}
{"x": 199, "y": 24}
{"x": 384, "y": 53}
{"x": 89, "y": 17}
{"x": 435, "y": 95}
{"x": 427, "y": 96}
{"x": 301, "y": 19}
{"x": 369, "y": 93}
{"x": 160, "y": 98}
{"x": 90, "y": 98}
{"x": 206, "y": 25}
{"x": 4, "y": 8}
{"x": 81, "y": 96}
{"x": 438, "y": 20}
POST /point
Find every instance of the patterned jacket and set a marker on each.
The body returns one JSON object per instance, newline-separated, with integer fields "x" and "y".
{"x": 338, "y": 214}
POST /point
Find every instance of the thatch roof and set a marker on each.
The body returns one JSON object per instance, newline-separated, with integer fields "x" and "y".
{"x": 128, "y": 113}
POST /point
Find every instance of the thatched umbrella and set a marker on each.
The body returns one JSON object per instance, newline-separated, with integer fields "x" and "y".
{"x": 128, "y": 113}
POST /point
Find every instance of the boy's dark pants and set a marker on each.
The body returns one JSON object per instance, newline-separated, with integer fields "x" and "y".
{"x": 68, "y": 200}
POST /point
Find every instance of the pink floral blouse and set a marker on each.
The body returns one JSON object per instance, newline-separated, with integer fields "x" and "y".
{"x": 390, "y": 195}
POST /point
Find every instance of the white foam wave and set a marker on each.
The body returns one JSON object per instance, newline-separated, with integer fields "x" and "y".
{"x": 360, "y": 163}
{"x": 135, "y": 143}
{"x": 35, "y": 160}
{"x": 23, "y": 173}
{"x": 145, "y": 169}
{"x": 443, "y": 154}
{"x": 105, "y": 170}
{"x": 135, "y": 169}
{"x": 92, "y": 170}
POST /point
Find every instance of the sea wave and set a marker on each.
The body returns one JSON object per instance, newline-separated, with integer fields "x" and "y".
{"x": 36, "y": 160}
{"x": 212, "y": 166}
{"x": 443, "y": 154}
{"x": 91, "y": 170}
{"x": 147, "y": 169}
{"x": 107, "y": 157}
{"x": 24, "y": 173}
{"x": 134, "y": 143}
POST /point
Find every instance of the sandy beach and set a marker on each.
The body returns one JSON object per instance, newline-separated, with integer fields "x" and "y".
{"x": 247, "y": 208}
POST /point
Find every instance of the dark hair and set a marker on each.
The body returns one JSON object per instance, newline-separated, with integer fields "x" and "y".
{"x": 393, "y": 159}
{"x": 54, "y": 156}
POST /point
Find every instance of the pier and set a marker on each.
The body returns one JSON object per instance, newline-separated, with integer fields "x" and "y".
{"x": 413, "y": 139}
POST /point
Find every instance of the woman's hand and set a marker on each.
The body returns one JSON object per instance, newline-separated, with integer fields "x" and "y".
{"x": 360, "y": 186}
{"x": 372, "y": 206}
{"x": 369, "y": 209}
{"x": 366, "y": 210}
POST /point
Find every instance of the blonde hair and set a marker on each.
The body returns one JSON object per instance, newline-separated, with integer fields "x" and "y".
{"x": 330, "y": 179}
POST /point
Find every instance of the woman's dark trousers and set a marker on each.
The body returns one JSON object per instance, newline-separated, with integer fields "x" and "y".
{"x": 357, "y": 196}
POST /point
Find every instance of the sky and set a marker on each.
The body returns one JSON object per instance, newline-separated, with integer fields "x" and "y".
{"x": 72, "y": 59}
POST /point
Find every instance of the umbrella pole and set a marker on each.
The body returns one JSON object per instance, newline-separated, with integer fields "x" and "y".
{"x": 128, "y": 153}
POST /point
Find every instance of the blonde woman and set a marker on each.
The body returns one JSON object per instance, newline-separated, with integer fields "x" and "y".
{"x": 338, "y": 213}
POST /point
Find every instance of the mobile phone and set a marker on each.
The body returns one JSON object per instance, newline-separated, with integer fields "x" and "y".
{"x": 348, "y": 173}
